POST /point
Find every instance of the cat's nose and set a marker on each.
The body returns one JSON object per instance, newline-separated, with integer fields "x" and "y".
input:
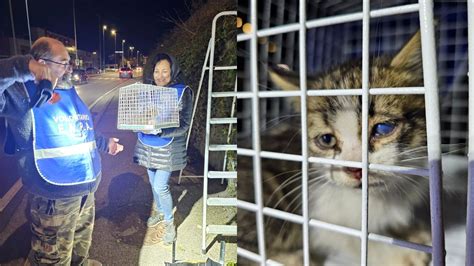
{"x": 354, "y": 172}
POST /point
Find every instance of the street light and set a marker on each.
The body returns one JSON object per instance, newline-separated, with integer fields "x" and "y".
{"x": 104, "y": 28}
{"x": 114, "y": 33}
{"x": 123, "y": 42}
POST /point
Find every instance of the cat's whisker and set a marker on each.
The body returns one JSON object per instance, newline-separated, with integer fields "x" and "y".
{"x": 414, "y": 187}
{"x": 289, "y": 181}
{"x": 269, "y": 127}
{"x": 292, "y": 191}
{"x": 280, "y": 119}
{"x": 457, "y": 147}
{"x": 299, "y": 203}
{"x": 280, "y": 174}
{"x": 291, "y": 140}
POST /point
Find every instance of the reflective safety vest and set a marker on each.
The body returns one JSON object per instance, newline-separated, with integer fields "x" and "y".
{"x": 64, "y": 144}
{"x": 154, "y": 140}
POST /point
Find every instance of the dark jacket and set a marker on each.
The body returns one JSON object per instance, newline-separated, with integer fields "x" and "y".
{"x": 15, "y": 103}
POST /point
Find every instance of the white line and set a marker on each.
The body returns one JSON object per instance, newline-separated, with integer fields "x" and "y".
{"x": 104, "y": 95}
{"x": 10, "y": 194}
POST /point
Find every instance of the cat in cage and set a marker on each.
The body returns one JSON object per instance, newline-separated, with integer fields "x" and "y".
{"x": 398, "y": 203}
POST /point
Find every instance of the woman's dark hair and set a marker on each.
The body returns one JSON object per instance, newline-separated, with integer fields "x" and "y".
{"x": 150, "y": 68}
{"x": 160, "y": 57}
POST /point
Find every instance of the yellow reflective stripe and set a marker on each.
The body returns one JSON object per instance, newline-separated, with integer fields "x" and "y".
{"x": 82, "y": 148}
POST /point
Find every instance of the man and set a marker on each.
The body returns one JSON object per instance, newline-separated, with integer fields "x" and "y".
{"x": 57, "y": 151}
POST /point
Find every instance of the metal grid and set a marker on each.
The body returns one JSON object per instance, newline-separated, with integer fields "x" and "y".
{"x": 425, "y": 9}
{"x": 326, "y": 46}
{"x": 147, "y": 107}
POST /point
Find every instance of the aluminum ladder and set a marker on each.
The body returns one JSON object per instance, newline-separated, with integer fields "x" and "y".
{"x": 217, "y": 229}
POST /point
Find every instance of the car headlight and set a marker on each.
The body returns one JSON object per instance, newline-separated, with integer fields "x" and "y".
{"x": 75, "y": 77}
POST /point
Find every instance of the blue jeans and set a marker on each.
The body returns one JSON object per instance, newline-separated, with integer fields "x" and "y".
{"x": 161, "y": 192}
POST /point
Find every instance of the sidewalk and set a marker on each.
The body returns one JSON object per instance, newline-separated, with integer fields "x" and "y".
{"x": 124, "y": 201}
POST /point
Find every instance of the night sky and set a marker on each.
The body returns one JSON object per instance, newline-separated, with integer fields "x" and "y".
{"x": 140, "y": 22}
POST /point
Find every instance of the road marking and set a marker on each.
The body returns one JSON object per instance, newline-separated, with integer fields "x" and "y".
{"x": 10, "y": 194}
{"x": 104, "y": 95}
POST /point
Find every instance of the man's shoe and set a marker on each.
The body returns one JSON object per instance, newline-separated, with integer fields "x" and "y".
{"x": 170, "y": 233}
{"x": 155, "y": 220}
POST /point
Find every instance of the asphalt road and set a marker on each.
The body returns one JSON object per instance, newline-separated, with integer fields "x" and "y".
{"x": 124, "y": 200}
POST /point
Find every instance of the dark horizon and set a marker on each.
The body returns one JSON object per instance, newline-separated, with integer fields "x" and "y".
{"x": 141, "y": 23}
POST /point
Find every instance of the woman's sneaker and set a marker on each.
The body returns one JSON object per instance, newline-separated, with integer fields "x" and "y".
{"x": 155, "y": 220}
{"x": 170, "y": 233}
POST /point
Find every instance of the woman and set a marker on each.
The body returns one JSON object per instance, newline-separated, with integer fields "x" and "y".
{"x": 164, "y": 151}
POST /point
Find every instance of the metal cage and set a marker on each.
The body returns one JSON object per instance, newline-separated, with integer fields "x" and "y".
{"x": 147, "y": 107}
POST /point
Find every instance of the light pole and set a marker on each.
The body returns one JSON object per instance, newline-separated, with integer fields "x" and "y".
{"x": 123, "y": 42}
{"x": 104, "y": 28}
{"x": 13, "y": 27}
{"x": 131, "y": 49}
{"x": 138, "y": 62}
{"x": 114, "y": 33}
{"x": 75, "y": 32}
{"x": 28, "y": 20}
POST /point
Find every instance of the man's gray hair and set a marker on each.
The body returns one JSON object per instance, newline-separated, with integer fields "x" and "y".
{"x": 41, "y": 48}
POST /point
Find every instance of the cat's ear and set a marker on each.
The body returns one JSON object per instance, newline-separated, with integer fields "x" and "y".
{"x": 409, "y": 57}
{"x": 284, "y": 78}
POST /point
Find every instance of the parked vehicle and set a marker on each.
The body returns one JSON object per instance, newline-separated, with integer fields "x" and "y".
{"x": 110, "y": 68}
{"x": 79, "y": 76}
{"x": 92, "y": 70}
{"x": 126, "y": 72}
{"x": 138, "y": 69}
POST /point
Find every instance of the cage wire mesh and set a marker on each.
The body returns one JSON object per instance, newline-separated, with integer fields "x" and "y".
{"x": 328, "y": 46}
{"x": 147, "y": 107}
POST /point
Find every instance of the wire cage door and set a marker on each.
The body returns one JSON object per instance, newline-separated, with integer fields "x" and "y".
{"x": 147, "y": 107}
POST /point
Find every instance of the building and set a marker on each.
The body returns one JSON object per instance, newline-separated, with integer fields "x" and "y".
{"x": 85, "y": 58}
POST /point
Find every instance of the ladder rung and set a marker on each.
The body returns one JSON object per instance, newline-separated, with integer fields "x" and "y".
{"x": 222, "y": 202}
{"x": 223, "y": 147}
{"x": 222, "y": 174}
{"x": 223, "y": 120}
{"x": 223, "y": 68}
{"x": 222, "y": 94}
{"x": 227, "y": 230}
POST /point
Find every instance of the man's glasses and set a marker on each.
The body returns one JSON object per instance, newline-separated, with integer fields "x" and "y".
{"x": 65, "y": 65}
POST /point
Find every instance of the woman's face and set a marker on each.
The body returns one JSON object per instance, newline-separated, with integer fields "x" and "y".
{"x": 162, "y": 73}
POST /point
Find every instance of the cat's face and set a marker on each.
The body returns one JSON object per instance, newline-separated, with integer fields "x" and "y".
{"x": 396, "y": 122}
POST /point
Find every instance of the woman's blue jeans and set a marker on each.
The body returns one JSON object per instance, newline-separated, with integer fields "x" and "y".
{"x": 161, "y": 192}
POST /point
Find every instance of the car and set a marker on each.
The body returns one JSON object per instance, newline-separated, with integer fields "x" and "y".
{"x": 92, "y": 70}
{"x": 110, "y": 68}
{"x": 126, "y": 72}
{"x": 79, "y": 76}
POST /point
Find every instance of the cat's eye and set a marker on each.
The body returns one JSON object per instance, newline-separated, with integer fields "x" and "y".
{"x": 383, "y": 129}
{"x": 326, "y": 141}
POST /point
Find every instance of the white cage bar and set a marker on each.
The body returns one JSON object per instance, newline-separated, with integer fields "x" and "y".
{"x": 304, "y": 132}
{"x": 430, "y": 90}
{"x": 433, "y": 130}
{"x": 256, "y": 133}
{"x": 470, "y": 199}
